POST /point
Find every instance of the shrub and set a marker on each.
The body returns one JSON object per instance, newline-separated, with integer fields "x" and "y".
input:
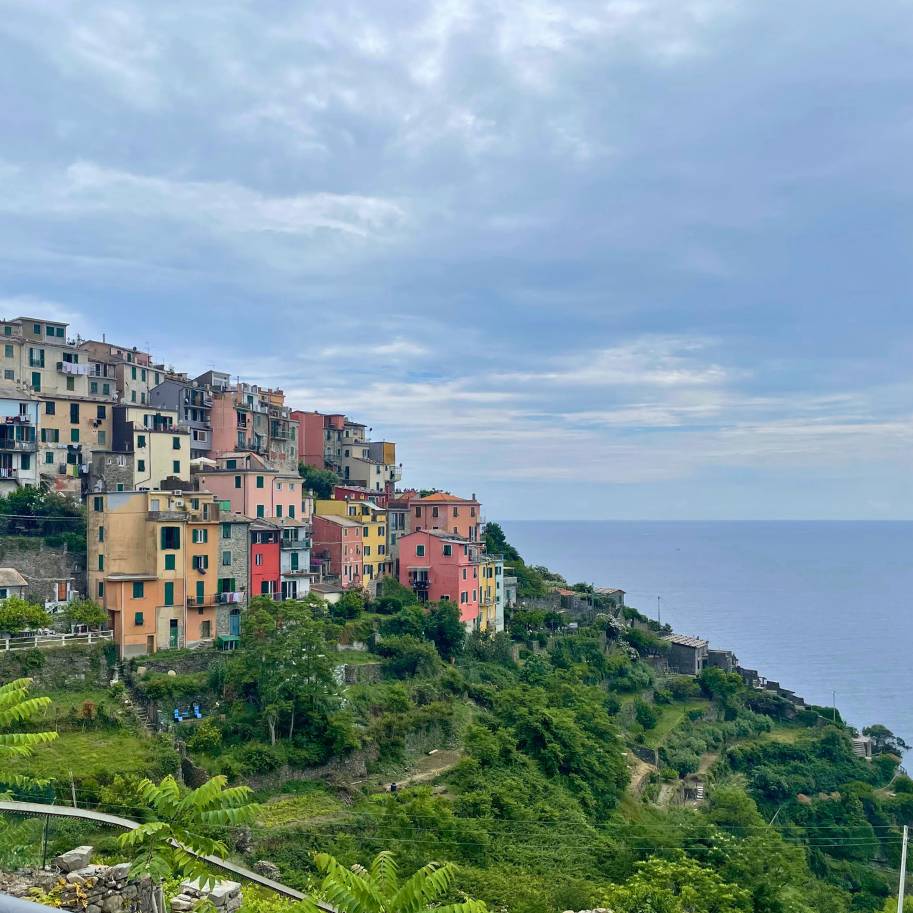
{"x": 645, "y": 714}
{"x": 258, "y": 758}
{"x": 206, "y": 738}
{"x": 408, "y": 656}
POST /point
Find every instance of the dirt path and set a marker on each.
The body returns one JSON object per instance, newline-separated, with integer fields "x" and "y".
{"x": 429, "y": 767}
{"x": 707, "y": 761}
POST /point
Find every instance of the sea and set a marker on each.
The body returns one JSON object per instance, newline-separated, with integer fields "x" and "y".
{"x": 824, "y": 608}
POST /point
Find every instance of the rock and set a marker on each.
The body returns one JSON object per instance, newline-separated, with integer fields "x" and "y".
{"x": 112, "y": 904}
{"x": 119, "y": 872}
{"x": 181, "y": 903}
{"x": 267, "y": 868}
{"x": 93, "y": 908}
{"x": 77, "y": 858}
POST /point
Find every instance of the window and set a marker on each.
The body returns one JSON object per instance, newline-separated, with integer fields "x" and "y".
{"x": 226, "y": 559}
{"x": 291, "y": 510}
{"x": 237, "y": 481}
{"x": 139, "y": 590}
{"x": 106, "y": 389}
{"x": 8, "y": 351}
{"x": 101, "y": 562}
{"x": 7, "y": 331}
{"x": 102, "y": 437}
{"x": 176, "y": 466}
{"x": 101, "y": 411}
{"x": 464, "y": 573}
{"x": 169, "y": 562}
{"x": 258, "y": 560}
{"x": 25, "y": 461}
{"x": 140, "y": 465}
{"x": 9, "y": 375}
{"x": 418, "y": 511}
{"x": 71, "y": 383}
{"x": 119, "y": 486}
{"x": 464, "y": 597}
{"x": 200, "y": 562}
{"x": 93, "y": 386}
{"x": 74, "y": 413}
{"x": 445, "y": 598}
{"x": 367, "y": 550}
{"x": 226, "y": 530}
{"x": 143, "y": 374}
{"x": 100, "y": 589}
{"x": 74, "y": 435}
{"x": 171, "y": 537}
{"x": 419, "y": 551}
{"x": 98, "y": 503}
{"x": 259, "y": 481}
{"x": 199, "y": 535}
{"x": 456, "y": 511}
{"x": 448, "y": 551}
{"x": 36, "y": 380}
{"x": 101, "y": 534}
{"x": 133, "y": 396}
{"x": 205, "y": 629}
{"x": 50, "y": 407}
{"x": 231, "y": 464}
{"x": 49, "y": 457}
{"x": 137, "y": 618}
{"x": 140, "y": 441}
{"x": 175, "y": 443}
{"x": 434, "y": 511}
{"x": 260, "y": 511}
{"x": 133, "y": 373}
{"x": 278, "y": 510}
{"x": 169, "y": 592}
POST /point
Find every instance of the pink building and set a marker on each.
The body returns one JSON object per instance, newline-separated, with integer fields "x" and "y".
{"x": 447, "y": 513}
{"x": 254, "y": 488}
{"x": 337, "y": 549}
{"x": 437, "y": 566}
{"x": 310, "y": 437}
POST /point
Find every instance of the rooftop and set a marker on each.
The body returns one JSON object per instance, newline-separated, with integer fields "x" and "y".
{"x": 440, "y": 497}
{"x": 9, "y": 576}
{"x": 686, "y": 640}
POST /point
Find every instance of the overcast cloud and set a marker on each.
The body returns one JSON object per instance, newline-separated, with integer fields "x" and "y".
{"x": 631, "y": 258}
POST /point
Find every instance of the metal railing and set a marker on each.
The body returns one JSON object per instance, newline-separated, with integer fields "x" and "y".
{"x": 47, "y": 641}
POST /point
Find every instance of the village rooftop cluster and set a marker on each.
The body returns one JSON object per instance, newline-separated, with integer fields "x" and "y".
{"x": 194, "y": 499}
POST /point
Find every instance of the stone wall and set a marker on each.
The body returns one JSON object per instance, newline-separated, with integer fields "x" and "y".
{"x": 59, "y": 667}
{"x": 43, "y": 565}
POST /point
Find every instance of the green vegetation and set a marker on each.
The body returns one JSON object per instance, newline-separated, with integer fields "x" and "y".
{"x": 32, "y": 513}
{"x": 18, "y": 615}
{"x": 553, "y": 768}
{"x": 18, "y": 707}
{"x": 320, "y": 481}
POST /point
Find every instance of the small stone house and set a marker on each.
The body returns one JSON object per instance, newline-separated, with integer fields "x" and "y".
{"x": 12, "y": 583}
{"x": 687, "y": 655}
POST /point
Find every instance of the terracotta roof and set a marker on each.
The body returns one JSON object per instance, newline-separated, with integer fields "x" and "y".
{"x": 444, "y": 496}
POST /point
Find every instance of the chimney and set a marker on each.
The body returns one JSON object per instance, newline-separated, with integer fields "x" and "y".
{"x": 473, "y": 496}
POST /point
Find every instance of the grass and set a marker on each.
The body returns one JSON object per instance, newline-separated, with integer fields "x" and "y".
{"x": 357, "y": 657}
{"x": 309, "y": 801}
{"x": 673, "y": 715}
{"x": 93, "y": 754}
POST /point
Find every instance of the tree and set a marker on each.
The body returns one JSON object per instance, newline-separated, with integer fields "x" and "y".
{"x": 320, "y": 481}
{"x": 56, "y": 518}
{"x": 283, "y": 665}
{"x": 350, "y": 605}
{"x": 883, "y": 740}
{"x": 444, "y": 628}
{"x": 171, "y": 843}
{"x": 678, "y": 885}
{"x": 85, "y": 612}
{"x": 496, "y": 543}
{"x": 378, "y": 889}
{"x": 17, "y": 707}
{"x": 16, "y": 614}
{"x": 409, "y": 621}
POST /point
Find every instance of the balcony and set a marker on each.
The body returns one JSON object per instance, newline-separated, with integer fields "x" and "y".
{"x": 7, "y": 444}
{"x": 200, "y": 602}
{"x": 177, "y": 515}
{"x": 295, "y": 544}
{"x": 228, "y": 598}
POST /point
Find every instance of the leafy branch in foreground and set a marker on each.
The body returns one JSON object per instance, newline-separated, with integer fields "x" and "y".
{"x": 17, "y": 707}
{"x": 378, "y": 889}
{"x": 171, "y": 843}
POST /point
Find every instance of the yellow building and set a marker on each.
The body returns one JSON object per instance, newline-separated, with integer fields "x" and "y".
{"x": 158, "y": 447}
{"x": 373, "y": 520}
{"x": 71, "y": 429}
{"x": 153, "y": 563}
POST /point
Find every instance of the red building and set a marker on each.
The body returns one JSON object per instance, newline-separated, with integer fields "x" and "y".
{"x": 437, "y": 566}
{"x": 360, "y": 493}
{"x": 310, "y": 437}
{"x": 337, "y": 549}
{"x": 265, "y": 560}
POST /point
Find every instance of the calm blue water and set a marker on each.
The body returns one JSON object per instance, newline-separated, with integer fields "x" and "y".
{"x": 819, "y": 607}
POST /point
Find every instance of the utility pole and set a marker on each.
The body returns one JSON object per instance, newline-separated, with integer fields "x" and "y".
{"x": 834, "y": 704}
{"x": 659, "y": 610}
{"x": 903, "y": 871}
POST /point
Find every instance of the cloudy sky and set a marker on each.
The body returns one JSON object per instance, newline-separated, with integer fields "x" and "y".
{"x": 630, "y": 258}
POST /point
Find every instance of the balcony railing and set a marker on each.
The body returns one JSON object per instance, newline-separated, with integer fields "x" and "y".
{"x": 68, "y": 367}
{"x": 229, "y": 598}
{"x": 199, "y": 602}
{"x": 17, "y": 445}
